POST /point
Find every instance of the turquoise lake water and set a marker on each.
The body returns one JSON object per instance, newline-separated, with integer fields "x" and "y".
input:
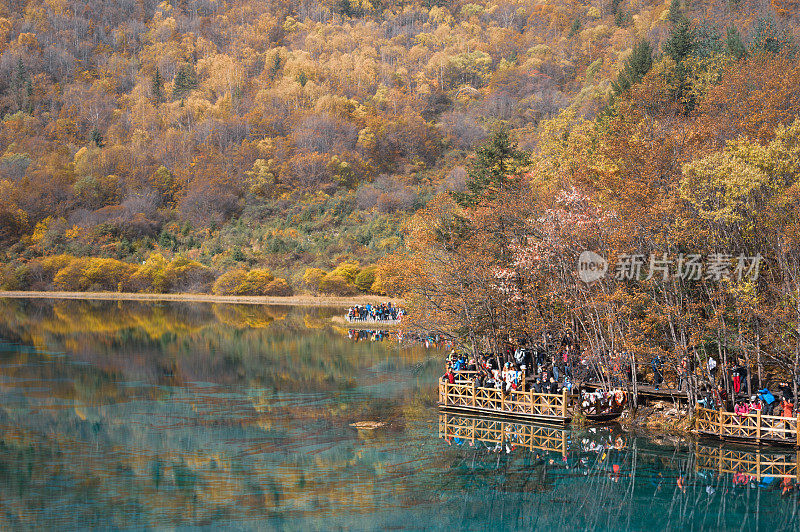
{"x": 137, "y": 415}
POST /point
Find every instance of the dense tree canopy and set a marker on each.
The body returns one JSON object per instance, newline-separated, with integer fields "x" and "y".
{"x": 266, "y": 134}
{"x": 695, "y": 207}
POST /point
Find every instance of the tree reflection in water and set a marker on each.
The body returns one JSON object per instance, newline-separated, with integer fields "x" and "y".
{"x": 624, "y": 481}
{"x": 135, "y": 415}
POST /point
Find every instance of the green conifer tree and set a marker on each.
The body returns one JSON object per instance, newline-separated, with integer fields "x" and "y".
{"x": 496, "y": 162}
{"x": 158, "y": 87}
{"x": 675, "y": 14}
{"x": 681, "y": 41}
{"x": 96, "y": 138}
{"x": 185, "y": 81}
{"x": 636, "y": 66}
{"x": 275, "y": 68}
{"x": 734, "y": 44}
{"x": 22, "y": 88}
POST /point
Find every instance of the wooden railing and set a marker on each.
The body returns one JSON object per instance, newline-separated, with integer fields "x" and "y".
{"x": 756, "y": 464}
{"x": 545, "y": 406}
{"x": 530, "y": 437}
{"x": 748, "y": 427}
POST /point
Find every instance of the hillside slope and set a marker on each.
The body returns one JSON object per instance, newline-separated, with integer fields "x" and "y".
{"x": 205, "y": 137}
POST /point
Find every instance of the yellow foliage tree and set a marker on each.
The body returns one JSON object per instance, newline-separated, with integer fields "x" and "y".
{"x": 313, "y": 277}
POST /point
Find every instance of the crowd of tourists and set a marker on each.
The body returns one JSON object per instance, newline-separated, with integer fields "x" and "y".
{"x": 547, "y": 375}
{"x": 780, "y": 403}
{"x": 557, "y": 364}
{"x": 369, "y": 313}
{"x": 722, "y": 386}
{"x": 513, "y": 368}
{"x": 729, "y": 387}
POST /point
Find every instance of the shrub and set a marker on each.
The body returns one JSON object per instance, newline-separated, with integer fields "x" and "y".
{"x": 189, "y": 276}
{"x": 256, "y": 282}
{"x": 278, "y": 287}
{"x": 348, "y": 270}
{"x": 51, "y": 265}
{"x": 152, "y": 275}
{"x": 312, "y": 278}
{"x": 227, "y": 282}
{"x": 95, "y": 274}
{"x": 365, "y": 279}
{"x": 179, "y": 275}
{"x": 336, "y": 285}
{"x": 16, "y": 277}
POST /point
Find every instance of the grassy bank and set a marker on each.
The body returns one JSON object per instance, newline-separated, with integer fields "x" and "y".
{"x": 302, "y": 299}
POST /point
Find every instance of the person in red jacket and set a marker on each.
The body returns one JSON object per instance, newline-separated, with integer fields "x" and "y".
{"x": 786, "y": 408}
{"x": 449, "y": 376}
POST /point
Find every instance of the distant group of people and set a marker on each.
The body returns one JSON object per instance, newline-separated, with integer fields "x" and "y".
{"x": 368, "y": 312}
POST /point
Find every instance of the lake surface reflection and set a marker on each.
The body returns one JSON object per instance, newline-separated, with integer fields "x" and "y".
{"x": 138, "y": 414}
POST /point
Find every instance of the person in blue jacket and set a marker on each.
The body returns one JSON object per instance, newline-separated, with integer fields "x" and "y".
{"x": 769, "y": 400}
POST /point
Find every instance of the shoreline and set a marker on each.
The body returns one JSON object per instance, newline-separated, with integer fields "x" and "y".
{"x": 304, "y": 300}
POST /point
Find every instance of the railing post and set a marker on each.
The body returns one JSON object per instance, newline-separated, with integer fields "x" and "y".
{"x": 502, "y": 400}
{"x": 797, "y": 432}
{"x": 446, "y": 392}
{"x": 473, "y": 428}
{"x": 758, "y": 426}
{"x": 474, "y": 393}
{"x": 719, "y": 413}
{"x": 564, "y": 404}
{"x": 797, "y": 465}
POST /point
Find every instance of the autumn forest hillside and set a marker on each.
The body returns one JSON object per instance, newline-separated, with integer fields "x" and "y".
{"x": 275, "y": 146}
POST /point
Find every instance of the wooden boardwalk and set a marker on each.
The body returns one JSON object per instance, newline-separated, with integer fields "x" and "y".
{"x": 748, "y": 428}
{"x": 545, "y": 407}
{"x": 372, "y": 324}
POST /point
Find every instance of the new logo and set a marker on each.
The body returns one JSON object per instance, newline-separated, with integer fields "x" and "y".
{"x": 591, "y": 266}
